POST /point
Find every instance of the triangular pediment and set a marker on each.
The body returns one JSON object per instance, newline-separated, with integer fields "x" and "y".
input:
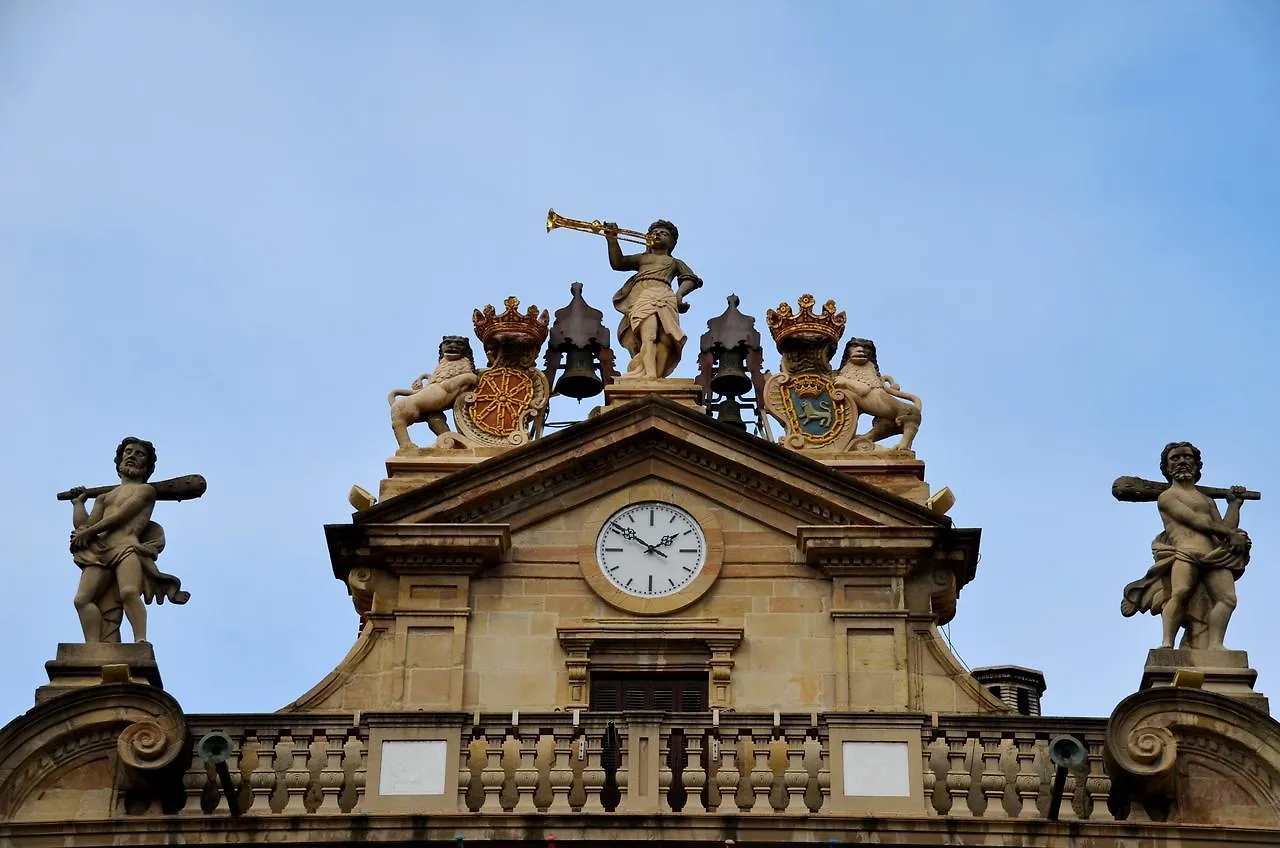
{"x": 651, "y": 438}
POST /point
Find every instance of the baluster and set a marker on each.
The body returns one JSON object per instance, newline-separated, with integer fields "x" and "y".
{"x": 260, "y": 779}
{"x": 509, "y": 795}
{"x": 779, "y": 759}
{"x": 1043, "y": 769}
{"x": 744, "y": 758}
{"x": 494, "y": 777}
{"x": 578, "y": 768}
{"x": 957, "y": 774}
{"x": 676, "y": 760}
{"x": 992, "y": 779}
{"x": 281, "y": 760}
{"x": 973, "y": 762}
{"x": 695, "y": 774}
{"x": 611, "y": 762}
{"x": 352, "y": 772}
{"x": 761, "y": 774}
{"x": 939, "y": 766}
{"x": 561, "y": 775}
{"x": 317, "y": 759}
{"x": 712, "y": 767}
{"x": 1011, "y": 801}
{"x": 477, "y": 760}
{"x": 298, "y": 773}
{"x": 813, "y": 763}
{"x": 246, "y": 764}
{"x": 544, "y": 758}
{"x": 1097, "y": 784}
{"x": 1028, "y": 777}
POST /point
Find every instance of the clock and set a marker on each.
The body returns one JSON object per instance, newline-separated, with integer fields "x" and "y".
{"x": 651, "y": 549}
{"x": 643, "y": 554}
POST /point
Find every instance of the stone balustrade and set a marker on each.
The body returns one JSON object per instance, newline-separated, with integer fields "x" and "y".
{"x": 973, "y": 766}
{"x": 999, "y": 767}
{"x": 282, "y": 765}
{"x": 744, "y": 765}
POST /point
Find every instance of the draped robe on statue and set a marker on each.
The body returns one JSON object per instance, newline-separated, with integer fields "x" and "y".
{"x": 156, "y": 585}
{"x": 645, "y": 293}
{"x": 1152, "y": 591}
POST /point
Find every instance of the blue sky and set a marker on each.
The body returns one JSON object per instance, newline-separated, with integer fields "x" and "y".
{"x": 232, "y": 227}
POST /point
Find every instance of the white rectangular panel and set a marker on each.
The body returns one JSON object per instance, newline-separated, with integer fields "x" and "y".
{"x": 876, "y": 769}
{"x": 412, "y": 768}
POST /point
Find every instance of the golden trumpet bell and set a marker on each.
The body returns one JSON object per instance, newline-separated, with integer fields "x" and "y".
{"x": 555, "y": 221}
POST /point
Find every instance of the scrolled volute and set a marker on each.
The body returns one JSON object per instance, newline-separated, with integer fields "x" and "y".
{"x": 152, "y": 745}
{"x": 1147, "y": 752}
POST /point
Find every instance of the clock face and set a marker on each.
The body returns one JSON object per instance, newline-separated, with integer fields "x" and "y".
{"x": 651, "y": 549}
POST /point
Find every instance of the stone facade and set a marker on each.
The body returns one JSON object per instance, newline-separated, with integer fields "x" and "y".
{"x": 463, "y": 712}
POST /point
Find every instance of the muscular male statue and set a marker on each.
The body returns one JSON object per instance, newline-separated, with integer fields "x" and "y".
{"x": 116, "y": 546}
{"x": 1198, "y": 557}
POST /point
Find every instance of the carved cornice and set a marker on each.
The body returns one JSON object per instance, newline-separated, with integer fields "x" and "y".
{"x": 864, "y": 548}
{"x": 401, "y": 548}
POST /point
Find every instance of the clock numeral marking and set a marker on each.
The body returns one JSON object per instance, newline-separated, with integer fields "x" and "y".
{"x": 673, "y": 519}
{"x": 650, "y": 518}
{"x": 629, "y": 579}
{"x": 687, "y": 568}
{"x": 631, "y": 516}
{"x": 687, "y": 532}
{"x": 613, "y": 550}
{"x": 672, "y": 581}
{"x": 650, "y": 584}
{"x": 612, "y": 569}
{"x": 682, "y": 550}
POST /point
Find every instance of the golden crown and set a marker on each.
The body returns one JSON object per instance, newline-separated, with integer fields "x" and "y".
{"x": 489, "y": 322}
{"x": 783, "y": 322}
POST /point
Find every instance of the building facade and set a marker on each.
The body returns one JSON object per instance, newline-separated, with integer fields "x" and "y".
{"x": 651, "y": 625}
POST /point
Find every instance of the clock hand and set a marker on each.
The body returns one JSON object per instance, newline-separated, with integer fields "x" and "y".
{"x": 629, "y": 534}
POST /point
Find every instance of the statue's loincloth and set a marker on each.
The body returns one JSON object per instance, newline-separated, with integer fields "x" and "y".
{"x": 156, "y": 585}
{"x": 1151, "y": 592}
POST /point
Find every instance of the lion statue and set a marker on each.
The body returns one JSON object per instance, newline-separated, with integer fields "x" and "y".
{"x": 877, "y": 395}
{"x": 455, "y": 373}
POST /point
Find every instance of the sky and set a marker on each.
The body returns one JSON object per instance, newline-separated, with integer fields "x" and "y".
{"x": 233, "y": 227}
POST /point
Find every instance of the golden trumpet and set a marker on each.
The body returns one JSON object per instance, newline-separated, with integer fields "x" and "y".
{"x": 555, "y": 221}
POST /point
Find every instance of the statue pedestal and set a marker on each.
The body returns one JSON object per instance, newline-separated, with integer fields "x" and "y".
{"x": 680, "y": 390}
{"x": 78, "y": 665}
{"x": 410, "y": 469}
{"x": 1225, "y": 672}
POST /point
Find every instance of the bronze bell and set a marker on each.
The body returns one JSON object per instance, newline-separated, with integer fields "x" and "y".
{"x": 729, "y": 411}
{"x": 731, "y": 378}
{"x": 579, "y": 379}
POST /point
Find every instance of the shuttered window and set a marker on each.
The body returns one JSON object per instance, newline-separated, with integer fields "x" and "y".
{"x": 618, "y": 692}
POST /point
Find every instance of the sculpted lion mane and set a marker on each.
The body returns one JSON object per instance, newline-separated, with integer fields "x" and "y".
{"x": 877, "y": 395}
{"x": 426, "y": 401}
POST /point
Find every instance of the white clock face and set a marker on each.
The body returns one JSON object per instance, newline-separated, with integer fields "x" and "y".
{"x": 651, "y": 549}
